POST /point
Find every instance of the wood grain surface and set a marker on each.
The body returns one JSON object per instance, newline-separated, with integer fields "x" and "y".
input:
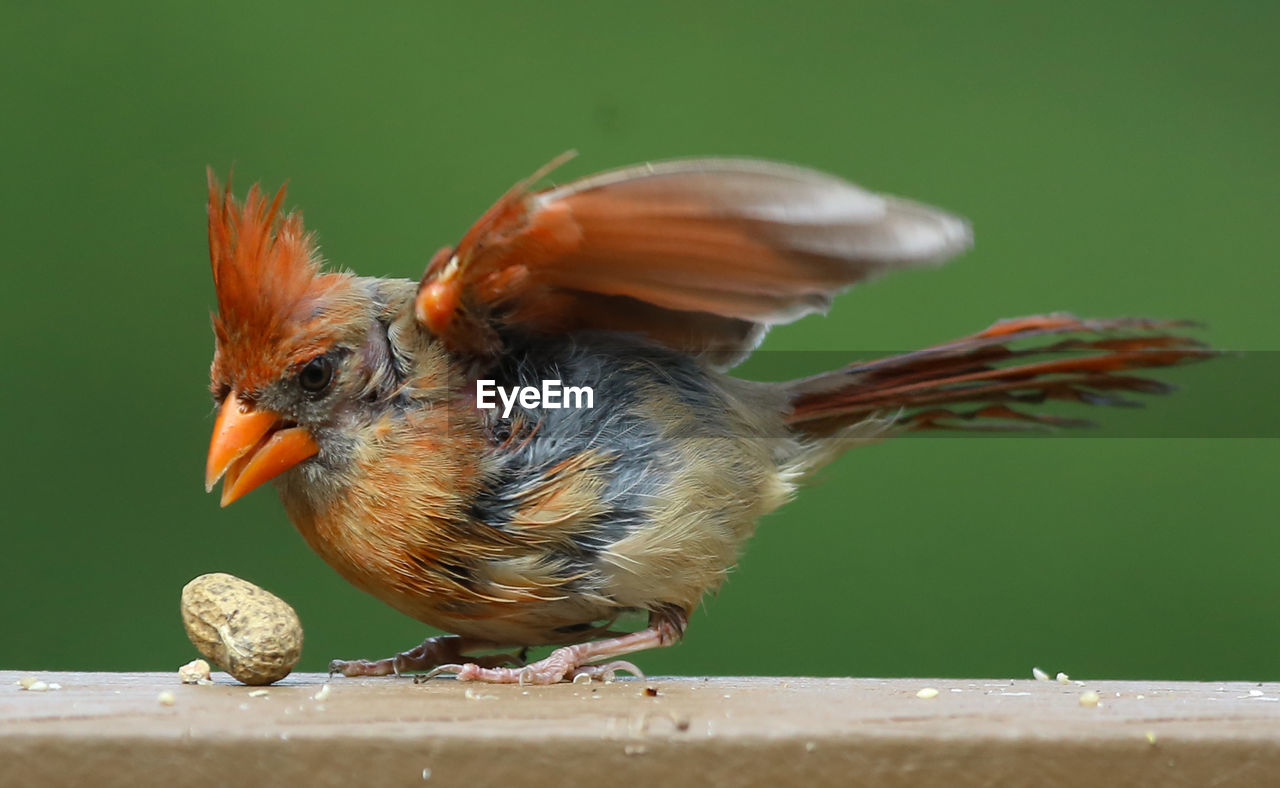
{"x": 111, "y": 729}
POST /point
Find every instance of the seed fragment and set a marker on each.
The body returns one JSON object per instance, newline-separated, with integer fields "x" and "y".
{"x": 194, "y": 671}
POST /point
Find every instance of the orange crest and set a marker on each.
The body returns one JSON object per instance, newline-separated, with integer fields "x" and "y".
{"x": 267, "y": 276}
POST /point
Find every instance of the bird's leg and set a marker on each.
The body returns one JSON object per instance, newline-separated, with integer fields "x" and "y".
{"x": 666, "y": 626}
{"x": 431, "y": 652}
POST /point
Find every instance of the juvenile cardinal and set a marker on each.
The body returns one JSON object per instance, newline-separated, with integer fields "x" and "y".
{"x": 527, "y": 525}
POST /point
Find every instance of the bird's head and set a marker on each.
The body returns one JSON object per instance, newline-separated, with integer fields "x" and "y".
{"x": 289, "y": 340}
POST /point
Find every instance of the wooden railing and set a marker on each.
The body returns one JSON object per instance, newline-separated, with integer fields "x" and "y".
{"x": 112, "y": 729}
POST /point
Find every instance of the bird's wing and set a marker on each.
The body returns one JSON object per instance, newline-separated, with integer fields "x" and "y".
{"x": 702, "y": 255}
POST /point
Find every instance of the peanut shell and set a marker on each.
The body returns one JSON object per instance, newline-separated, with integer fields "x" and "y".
{"x": 247, "y": 631}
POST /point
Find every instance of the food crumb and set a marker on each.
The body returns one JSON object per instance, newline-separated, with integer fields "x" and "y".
{"x": 1039, "y": 674}
{"x": 26, "y": 681}
{"x": 321, "y": 693}
{"x": 651, "y": 692}
{"x": 1090, "y": 699}
{"x": 37, "y": 686}
{"x": 166, "y": 699}
{"x": 1151, "y": 737}
{"x": 1063, "y": 678}
{"x": 810, "y": 746}
{"x": 1255, "y": 693}
{"x": 194, "y": 671}
{"x": 471, "y": 694}
{"x": 259, "y": 693}
{"x": 635, "y": 749}
{"x": 54, "y": 686}
{"x": 927, "y": 693}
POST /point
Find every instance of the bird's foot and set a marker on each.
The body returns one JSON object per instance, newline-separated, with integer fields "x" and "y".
{"x": 575, "y": 662}
{"x": 432, "y": 652}
{"x": 555, "y": 668}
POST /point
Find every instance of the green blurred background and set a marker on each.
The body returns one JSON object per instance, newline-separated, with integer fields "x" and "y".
{"x": 1115, "y": 157}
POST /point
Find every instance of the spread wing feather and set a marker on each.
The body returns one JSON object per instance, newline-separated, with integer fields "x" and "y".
{"x": 703, "y": 255}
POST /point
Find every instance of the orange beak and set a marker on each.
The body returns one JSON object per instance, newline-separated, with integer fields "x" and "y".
{"x": 252, "y": 446}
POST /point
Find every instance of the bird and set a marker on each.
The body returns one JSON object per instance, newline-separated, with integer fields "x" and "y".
{"x": 510, "y": 523}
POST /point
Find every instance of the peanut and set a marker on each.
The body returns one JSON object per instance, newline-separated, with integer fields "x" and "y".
{"x": 247, "y": 631}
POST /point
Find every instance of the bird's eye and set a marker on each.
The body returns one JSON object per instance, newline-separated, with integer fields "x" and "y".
{"x": 316, "y": 375}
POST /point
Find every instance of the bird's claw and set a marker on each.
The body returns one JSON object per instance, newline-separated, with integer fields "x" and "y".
{"x": 607, "y": 671}
{"x": 440, "y": 670}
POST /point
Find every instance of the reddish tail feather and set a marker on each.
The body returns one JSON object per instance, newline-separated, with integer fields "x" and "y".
{"x": 979, "y": 382}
